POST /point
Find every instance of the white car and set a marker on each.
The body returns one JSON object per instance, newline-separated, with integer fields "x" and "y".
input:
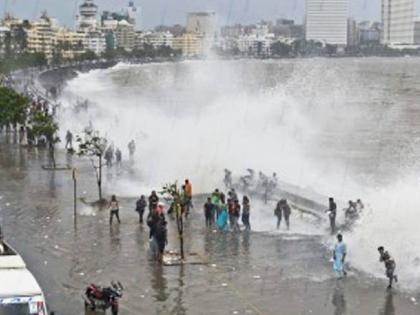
{"x": 20, "y": 293}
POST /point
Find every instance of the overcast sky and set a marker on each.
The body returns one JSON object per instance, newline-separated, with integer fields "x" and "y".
{"x": 169, "y": 12}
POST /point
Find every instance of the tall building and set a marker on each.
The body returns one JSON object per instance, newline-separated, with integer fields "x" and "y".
{"x": 326, "y": 21}
{"x": 370, "y": 33}
{"x": 18, "y": 33}
{"x": 132, "y": 14}
{"x": 417, "y": 32}
{"x": 88, "y": 16}
{"x": 190, "y": 44}
{"x": 95, "y": 41}
{"x": 352, "y": 33}
{"x": 68, "y": 44}
{"x": 41, "y": 37}
{"x": 398, "y": 18}
{"x": 204, "y": 24}
{"x": 4, "y": 34}
{"x": 125, "y": 36}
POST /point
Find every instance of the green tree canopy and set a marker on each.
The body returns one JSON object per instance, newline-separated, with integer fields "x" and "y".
{"x": 13, "y": 107}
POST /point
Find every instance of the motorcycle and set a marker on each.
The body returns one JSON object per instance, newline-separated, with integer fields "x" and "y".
{"x": 103, "y": 298}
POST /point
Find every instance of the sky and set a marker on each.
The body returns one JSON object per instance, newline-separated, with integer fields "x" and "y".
{"x": 155, "y": 12}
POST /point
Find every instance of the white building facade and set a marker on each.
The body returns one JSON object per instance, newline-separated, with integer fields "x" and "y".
{"x": 4, "y": 32}
{"x": 326, "y": 21}
{"x": 88, "y": 16}
{"x": 398, "y": 18}
{"x": 95, "y": 41}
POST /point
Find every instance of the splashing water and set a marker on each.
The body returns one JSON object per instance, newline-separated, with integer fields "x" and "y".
{"x": 342, "y": 128}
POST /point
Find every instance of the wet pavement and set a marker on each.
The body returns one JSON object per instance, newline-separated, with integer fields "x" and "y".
{"x": 247, "y": 273}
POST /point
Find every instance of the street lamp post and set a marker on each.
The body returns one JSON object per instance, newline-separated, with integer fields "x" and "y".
{"x": 75, "y": 197}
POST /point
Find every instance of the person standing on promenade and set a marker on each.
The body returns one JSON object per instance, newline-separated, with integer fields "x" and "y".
{"x": 339, "y": 256}
{"x": 114, "y": 209}
{"x": 332, "y": 214}
{"x": 141, "y": 205}
{"x": 246, "y": 209}
{"x": 390, "y": 265}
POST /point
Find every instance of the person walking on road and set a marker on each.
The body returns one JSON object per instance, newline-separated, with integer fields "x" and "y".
{"x": 114, "y": 209}
{"x": 141, "y": 205}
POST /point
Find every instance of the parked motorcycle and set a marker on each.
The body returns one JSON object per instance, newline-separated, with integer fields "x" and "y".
{"x": 103, "y": 298}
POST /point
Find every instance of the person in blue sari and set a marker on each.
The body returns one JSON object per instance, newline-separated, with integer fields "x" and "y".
{"x": 339, "y": 255}
{"x": 222, "y": 219}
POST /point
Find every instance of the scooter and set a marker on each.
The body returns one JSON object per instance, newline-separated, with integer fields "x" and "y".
{"x": 103, "y": 298}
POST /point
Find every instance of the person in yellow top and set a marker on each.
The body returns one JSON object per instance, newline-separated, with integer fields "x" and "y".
{"x": 188, "y": 196}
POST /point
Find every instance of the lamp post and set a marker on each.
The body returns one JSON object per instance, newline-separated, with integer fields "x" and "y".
{"x": 74, "y": 197}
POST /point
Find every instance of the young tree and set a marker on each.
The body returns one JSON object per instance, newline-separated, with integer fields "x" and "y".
{"x": 93, "y": 146}
{"x": 44, "y": 125}
{"x": 13, "y": 107}
{"x": 176, "y": 193}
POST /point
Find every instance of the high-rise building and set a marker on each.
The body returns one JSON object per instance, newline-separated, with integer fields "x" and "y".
{"x": 132, "y": 14}
{"x": 41, "y": 37}
{"x": 398, "y": 18}
{"x": 352, "y": 33}
{"x": 326, "y": 21}
{"x": 417, "y": 32}
{"x": 4, "y": 34}
{"x": 369, "y": 32}
{"x": 204, "y": 24}
{"x": 88, "y": 16}
{"x": 125, "y": 36}
{"x": 18, "y": 33}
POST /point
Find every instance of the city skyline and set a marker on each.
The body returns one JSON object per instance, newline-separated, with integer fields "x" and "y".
{"x": 157, "y": 12}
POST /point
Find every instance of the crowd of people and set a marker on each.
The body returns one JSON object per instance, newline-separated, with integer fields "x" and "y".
{"x": 225, "y": 211}
{"x": 113, "y": 154}
{"x": 251, "y": 184}
{"x": 351, "y": 213}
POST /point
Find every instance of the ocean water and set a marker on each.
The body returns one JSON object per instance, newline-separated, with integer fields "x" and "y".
{"x": 347, "y": 128}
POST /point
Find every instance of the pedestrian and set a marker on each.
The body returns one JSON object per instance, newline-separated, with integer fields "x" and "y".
{"x": 153, "y": 201}
{"x": 278, "y": 213}
{"x": 118, "y": 158}
{"x": 160, "y": 209}
{"x": 390, "y": 265}
{"x": 332, "y": 214}
{"x": 232, "y": 195}
{"x": 236, "y": 215}
{"x": 109, "y": 156}
{"x": 208, "y": 212}
{"x": 161, "y": 238}
{"x": 188, "y": 193}
{"x": 339, "y": 256}
{"x": 114, "y": 209}
{"x": 359, "y": 206}
{"x": 246, "y": 208}
{"x": 152, "y": 222}
{"x": 228, "y": 179}
{"x": 216, "y": 201}
{"x": 140, "y": 207}
{"x": 287, "y": 210}
{"x": 222, "y": 219}
{"x": 69, "y": 140}
{"x": 131, "y": 148}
